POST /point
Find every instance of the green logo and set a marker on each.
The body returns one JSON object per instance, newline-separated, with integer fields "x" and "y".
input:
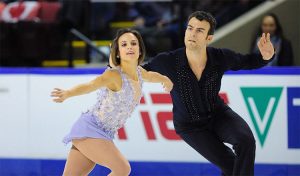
{"x": 261, "y": 104}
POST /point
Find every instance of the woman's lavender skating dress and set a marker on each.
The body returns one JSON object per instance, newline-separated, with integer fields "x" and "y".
{"x": 110, "y": 112}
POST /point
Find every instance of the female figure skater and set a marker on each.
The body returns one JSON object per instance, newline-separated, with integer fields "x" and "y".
{"x": 119, "y": 94}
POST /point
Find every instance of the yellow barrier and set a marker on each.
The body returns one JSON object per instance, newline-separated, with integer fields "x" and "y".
{"x": 62, "y": 63}
{"x": 122, "y": 24}
{"x": 81, "y": 44}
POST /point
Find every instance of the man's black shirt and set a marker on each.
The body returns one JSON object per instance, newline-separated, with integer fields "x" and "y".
{"x": 196, "y": 101}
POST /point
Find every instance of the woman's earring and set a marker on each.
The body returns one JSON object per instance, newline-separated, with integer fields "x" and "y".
{"x": 118, "y": 56}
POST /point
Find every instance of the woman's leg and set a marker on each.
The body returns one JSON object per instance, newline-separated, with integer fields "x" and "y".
{"x": 77, "y": 164}
{"x": 105, "y": 153}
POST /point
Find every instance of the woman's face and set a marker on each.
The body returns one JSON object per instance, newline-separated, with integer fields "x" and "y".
{"x": 129, "y": 49}
{"x": 268, "y": 25}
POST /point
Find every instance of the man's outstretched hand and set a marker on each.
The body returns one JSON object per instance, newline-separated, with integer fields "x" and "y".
{"x": 265, "y": 46}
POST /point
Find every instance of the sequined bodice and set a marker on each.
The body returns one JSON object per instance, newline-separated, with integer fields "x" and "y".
{"x": 113, "y": 108}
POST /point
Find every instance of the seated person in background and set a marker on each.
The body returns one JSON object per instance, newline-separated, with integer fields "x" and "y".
{"x": 284, "y": 53}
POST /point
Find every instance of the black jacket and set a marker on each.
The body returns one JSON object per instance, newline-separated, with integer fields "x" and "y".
{"x": 285, "y": 57}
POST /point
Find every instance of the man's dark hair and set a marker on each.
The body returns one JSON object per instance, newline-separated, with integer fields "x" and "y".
{"x": 201, "y": 15}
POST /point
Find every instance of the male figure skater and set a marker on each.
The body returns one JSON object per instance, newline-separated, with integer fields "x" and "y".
{"x": 201, "y": 117}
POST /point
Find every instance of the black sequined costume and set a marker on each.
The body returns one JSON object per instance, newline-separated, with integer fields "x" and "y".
{"x": 200, "y": 116}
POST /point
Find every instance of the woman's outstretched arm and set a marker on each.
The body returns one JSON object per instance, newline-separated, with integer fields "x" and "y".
{"x": 110, "y": 79}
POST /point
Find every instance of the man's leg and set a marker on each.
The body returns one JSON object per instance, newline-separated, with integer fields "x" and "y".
{"x": 232, "y": 129}
{"x": 209, "y": 146}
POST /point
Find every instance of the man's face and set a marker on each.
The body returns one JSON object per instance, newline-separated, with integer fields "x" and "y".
{"x": 196, "y": 34}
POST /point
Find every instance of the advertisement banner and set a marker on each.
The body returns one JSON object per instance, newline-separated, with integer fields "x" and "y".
{"x": 32, "y": 125}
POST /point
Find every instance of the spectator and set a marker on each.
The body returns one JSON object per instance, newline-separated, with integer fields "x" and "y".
{"x": 160, "y": 31}
{"x": 284, "y": 53}
{"x": 74, "y": 14}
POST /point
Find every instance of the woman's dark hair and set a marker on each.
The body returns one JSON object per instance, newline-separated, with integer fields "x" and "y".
{"x": 115, "y": 47}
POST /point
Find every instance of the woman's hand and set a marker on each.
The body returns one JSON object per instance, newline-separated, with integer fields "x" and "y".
{"x": 167, "y": 84}
{"x": 59, "y": 94}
